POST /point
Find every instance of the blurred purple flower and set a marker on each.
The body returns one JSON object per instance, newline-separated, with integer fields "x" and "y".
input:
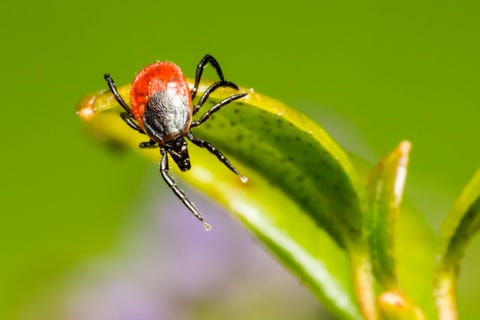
{"x": 173, "y": 269}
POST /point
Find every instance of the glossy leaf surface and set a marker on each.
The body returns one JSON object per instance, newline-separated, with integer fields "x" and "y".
{"x": 385, "y": 191}
{"x": 303, "y": 199}
{"x": 299, "y": 179}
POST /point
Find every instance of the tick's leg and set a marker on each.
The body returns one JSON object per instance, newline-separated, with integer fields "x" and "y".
{"x": 148, "y": 144}
{"x": 128, "y": 118}
{"x": 179, "y": 193}
{"x": 207, "y": 145}
{"x": 118, "y": 97}
{"x": 201, "y": 65}
{"x": 210, "y": 89}
{"x": 217, "y": 107}
{"x": 127, "y": 115}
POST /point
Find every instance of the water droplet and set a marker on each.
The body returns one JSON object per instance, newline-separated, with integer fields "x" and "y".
{"x": 207, "y": 226}
{"x": 244, "y": 179}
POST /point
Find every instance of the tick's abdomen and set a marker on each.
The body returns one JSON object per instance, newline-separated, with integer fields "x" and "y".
{"x": 161, "y": 102}
{"x": 167, "y": 115}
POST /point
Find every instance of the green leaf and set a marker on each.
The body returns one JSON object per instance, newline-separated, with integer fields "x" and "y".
{"x": 294, "y": 153}
{"x": 303, "y": 199}
{"x": 461, "y": 224}
{"x": 299, "y": 180}
{"x": 385, "y": 191}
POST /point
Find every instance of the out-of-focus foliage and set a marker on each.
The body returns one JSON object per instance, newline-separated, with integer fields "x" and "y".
{"x": 392, "y": 71}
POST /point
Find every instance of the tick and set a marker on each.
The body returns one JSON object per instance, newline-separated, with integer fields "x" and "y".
{"x": 162, "y": 108}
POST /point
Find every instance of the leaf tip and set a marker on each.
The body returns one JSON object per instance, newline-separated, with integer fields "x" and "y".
{"x": 392, "y": 299}
{"x": 395, "y": 305}
{"x": 85, "y": 108}
{"x": 404, "y": 148}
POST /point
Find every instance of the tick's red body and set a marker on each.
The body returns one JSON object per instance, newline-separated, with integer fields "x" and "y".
{"x": 161, "y": 102}
{"x": 161, "y": 107}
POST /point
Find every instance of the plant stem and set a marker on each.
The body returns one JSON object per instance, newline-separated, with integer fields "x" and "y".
{"x": 445, "y": 297}
{"x": 364, "y": 283}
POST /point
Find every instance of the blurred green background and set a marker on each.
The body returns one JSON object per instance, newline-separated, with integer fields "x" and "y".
{"x": 371, "y": 72}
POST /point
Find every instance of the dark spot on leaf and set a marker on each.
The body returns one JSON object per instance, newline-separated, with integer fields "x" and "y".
{"x": 305, "y": 199}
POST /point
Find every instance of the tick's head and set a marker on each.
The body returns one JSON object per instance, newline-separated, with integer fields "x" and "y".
{"x": 179, "y": 152}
